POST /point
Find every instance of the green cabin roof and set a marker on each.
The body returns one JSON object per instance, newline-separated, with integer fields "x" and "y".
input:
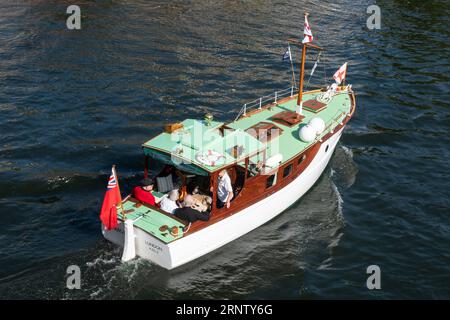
{"x": 183, "y": 146}
{"x": 196, "y": 138}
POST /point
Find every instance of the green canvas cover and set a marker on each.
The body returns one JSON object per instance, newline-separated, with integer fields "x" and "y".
{"x": 184, "y": 147}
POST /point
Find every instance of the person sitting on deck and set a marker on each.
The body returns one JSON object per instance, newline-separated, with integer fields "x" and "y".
{"x": 188, "y": 213}
{"x": 143, "y": 193}
{"x": 169, "y": 202}
{"x": 224, "y": 190}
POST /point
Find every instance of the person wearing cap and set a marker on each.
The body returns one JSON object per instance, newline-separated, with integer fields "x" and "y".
{"x": 143, "y": 193}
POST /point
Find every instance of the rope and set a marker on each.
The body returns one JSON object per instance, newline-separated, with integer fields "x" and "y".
{"x": 292, "y": 66}
{"x": 314, "y": 67}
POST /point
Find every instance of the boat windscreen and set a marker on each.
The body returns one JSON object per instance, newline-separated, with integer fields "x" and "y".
{"x": 182, "y": 165}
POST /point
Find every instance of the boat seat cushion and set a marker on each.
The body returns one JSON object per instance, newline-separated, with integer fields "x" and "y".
{"x": 165, "y": 184}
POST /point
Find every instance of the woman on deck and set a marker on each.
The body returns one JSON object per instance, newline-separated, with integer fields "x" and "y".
{"x": 169, "y": 202}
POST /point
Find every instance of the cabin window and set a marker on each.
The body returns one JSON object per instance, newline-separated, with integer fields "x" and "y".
{"x": 287, "y": 170}
{"x": 301, "y": 159}
{"x": 326, "y": 149}
{"x": 271, "y": 180}
{"x": 255, "y": 165}
{"x": 236, "y": 151}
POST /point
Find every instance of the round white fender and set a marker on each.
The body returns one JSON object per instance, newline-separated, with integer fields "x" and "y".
{"x": 129, "y": 249}
{"x": 318, "y": 124}
{"x": 307, "y": 133}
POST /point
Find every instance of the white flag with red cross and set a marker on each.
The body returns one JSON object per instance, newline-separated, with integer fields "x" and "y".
{"x": 339, "y": 76}
{"x": 308, "y": 37}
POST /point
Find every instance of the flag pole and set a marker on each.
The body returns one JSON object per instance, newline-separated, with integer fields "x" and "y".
{"x": 118, "y": 187}
{"x": 302, "y": 72}
{"x": 343, "y": 81}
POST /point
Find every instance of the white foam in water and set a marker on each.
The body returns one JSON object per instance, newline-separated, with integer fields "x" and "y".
{"x": 103, "y": 289}
{"x": 94, "y": 294}
{"x": 332, "y": 172}
{"x": 56, "y": 182}
{"x": 114, "y": 272}
{"x": 134, "y": 264}
{"x": 340, "y": 201}
{"x": 347, "y": 151}
{"x": 102, "y": 261}
{"x": 343, "y": 166}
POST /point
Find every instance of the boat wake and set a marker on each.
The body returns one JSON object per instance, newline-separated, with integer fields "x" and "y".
{"x": 114, "y": 274}
{"x": 303, "y": 237}
{"x": 343, "y": 167}
{"x": 343, "y": 175}
{"x": 340, "y": 201}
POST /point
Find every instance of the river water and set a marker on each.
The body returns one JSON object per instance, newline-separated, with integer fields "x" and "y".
{"x": 73, "y": 102}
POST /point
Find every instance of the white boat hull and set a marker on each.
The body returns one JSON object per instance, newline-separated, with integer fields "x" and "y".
{"x": 201, "y": 242}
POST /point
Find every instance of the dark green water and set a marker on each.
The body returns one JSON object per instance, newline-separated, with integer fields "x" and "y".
{"x": 74, "y": 102}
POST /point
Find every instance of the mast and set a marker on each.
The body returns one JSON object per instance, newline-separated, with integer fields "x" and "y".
{"x": 302, "y": 73}
{"x": 302, "y": 67}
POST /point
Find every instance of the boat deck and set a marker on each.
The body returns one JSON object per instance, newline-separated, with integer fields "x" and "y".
{"x": 151, "y": 220}
{"x": 289, "y": 143}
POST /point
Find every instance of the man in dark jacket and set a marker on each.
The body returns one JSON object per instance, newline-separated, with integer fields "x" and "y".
{"x": 190, "y": 215}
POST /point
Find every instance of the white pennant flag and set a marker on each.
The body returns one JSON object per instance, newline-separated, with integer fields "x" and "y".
{"x": 287, "y": 55}
{"x": 339, "y": 76}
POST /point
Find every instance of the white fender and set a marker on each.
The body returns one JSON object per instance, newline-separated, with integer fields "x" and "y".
{"x": 307, "y": 133}
{"x": 129, "y": 248}
{"x": 318, "y": 124}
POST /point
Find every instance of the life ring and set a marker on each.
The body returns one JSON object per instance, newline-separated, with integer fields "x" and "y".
{"x": 210, "y": 158}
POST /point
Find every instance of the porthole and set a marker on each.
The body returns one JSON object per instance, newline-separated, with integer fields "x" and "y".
{"x": 301, "y": 159}
{"x": 287, "y": 170}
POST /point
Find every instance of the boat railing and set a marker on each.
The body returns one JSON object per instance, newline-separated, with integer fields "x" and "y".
{"x": 264, "y": 100}
{"x": 332, "y": 124}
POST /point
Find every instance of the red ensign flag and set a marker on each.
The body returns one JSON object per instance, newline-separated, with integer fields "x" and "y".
{"x": 108, "y": 215}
